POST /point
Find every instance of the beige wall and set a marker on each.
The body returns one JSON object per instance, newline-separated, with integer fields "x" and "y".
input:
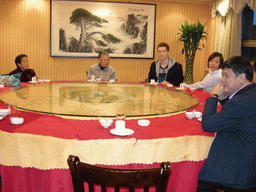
{"x": 25, "y": 28}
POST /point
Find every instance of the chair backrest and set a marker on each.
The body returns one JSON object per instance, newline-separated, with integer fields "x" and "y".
{"x": 118, "y": 178}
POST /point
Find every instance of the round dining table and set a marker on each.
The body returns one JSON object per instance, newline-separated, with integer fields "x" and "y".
{"x": 33, "y": 155}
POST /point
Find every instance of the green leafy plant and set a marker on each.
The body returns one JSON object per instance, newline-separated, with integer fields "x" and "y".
{"x": 190, "y": 36}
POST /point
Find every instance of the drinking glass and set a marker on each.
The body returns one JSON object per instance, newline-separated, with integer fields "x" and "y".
{"x": 120, "y": 116}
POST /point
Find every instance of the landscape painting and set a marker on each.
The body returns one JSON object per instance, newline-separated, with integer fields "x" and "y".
{"x": 84, "y": 28}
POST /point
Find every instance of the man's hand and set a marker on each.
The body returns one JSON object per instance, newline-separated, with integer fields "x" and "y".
{"x": 165, "y": 83}
{"x": 142, "y": 80}
{"x": 218, "y": 89}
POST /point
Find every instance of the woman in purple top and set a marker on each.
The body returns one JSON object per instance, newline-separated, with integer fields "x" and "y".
{"x": 22, "y": 67}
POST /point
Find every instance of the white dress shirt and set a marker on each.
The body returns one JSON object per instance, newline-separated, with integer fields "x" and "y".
{"x": 210, "y": 80}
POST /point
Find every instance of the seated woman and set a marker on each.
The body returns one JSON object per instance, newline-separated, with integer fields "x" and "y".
{"x": 22, "y": 67}
{"x": 214, "y": 76}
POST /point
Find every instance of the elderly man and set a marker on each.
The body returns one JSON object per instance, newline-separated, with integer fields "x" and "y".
{"x": 165, "y": 70}
{"x": 230, "y": 165}
{"x": 102, "y": 70}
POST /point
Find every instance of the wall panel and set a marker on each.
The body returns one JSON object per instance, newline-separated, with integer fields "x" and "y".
{"x": 25, "y": 28}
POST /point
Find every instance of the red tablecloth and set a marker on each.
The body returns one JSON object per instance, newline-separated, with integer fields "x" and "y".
{"x": 18, "y": 178}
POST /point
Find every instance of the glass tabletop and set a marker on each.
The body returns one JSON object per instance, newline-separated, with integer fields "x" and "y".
{"x": 104, "y": 99}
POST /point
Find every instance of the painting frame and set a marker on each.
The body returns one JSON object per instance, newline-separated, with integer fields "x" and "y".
{"x": 85, "y": 28}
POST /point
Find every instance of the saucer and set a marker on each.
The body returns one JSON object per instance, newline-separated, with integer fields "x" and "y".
{"x": 180, "y": 88}
{"x": 17, "y": 120}
{"x": 197, "y": 114}
{"x": 33, "y": 81}
{"x": 153, "y": 83}
{"x": 124, "y": 132}
{"x": 40, "y": 80}
{"x": 143, "y": 122}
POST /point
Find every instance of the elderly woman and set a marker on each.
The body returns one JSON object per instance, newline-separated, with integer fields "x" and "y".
{"x": 214, "y": 76}
{"x": 22, "y": 64}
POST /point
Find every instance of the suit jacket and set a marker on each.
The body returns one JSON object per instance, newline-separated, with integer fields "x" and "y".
{"x": 232, "y": 157}
{"x": 174, "y": 74}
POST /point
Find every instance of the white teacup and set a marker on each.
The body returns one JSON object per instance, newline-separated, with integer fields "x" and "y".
{"x": 17, "y": 120}
{"x": 143, "y": 122}
{"x": 98, "y": 79}
{"x": 182, "y": 85}
{"x": 152, "y": 81}
{"x": 190, "y": 115}
{"x": 33, "y": 79}
{"x": 106, "y": 122}
{"x": 5, "y": 112}
{"x": 120, "y": 125}
{"x": 192, "y": 89}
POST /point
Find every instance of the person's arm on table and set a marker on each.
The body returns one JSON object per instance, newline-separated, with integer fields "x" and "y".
{"x": 13, "y": 72}
{"x": 152, "y": 72}
{"x": 165, "y": 83}
{"x": 208, "y": 81}
{"x": 229, "y": 116}
{"x": 175, "y": 75}
{"x": 90, "y": 73}
{"x": 223, "y": 98}
{"x": 143, "y": 80}
{"x": 31, "y": 73}
{"x": 210, "y": 107}
{"x": 179, "y": 76}
{"x": 113, "y": 74}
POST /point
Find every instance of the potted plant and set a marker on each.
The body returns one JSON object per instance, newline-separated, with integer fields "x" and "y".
{"x": 191, "y": 35}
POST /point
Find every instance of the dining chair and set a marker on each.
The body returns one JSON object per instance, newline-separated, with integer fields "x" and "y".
{"x": 118, "y": 178}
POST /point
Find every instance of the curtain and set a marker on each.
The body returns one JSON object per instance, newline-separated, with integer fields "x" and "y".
{"x": 228, "y": 34}
{"x": 236, "y": 5}
{"x": 228, "y": 27}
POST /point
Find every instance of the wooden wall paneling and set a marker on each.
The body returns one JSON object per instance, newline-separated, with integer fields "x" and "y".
{"x": 26, "y": 29}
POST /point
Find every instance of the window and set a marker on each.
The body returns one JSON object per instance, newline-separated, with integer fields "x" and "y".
{"x": 254, "y": 18}
{"x": 248, "y": 33}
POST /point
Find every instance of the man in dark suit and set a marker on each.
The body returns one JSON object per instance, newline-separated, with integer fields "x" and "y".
{"x": 231, "y": 163}
{"x": 165, "y": 70}
{"x": 253, "y": 62}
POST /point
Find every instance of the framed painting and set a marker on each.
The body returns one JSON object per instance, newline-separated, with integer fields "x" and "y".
{"x": 84, "y": 28}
